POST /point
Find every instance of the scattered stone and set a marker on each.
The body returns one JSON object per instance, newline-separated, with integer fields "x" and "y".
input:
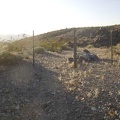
{"x": 93, "y": 109}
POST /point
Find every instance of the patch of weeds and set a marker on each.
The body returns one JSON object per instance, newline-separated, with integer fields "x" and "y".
{"x": 90, "y": 46}
{"x": 7, "y": 58}
{"x": 17, "y": 46}
{"x": 39, "y": 50}
{"x": 116, "y": 49}
{"x": 53, "y": 45}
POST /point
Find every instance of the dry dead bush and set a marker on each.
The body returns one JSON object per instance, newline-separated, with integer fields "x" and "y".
{"x": 7, "y": 58}
{"x": 39, "y": 50}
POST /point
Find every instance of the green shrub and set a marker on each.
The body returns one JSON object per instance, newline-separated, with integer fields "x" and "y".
{"x": 65, "y": 47}
{"x": 53, "y": 45}
{"x": 90, "y": 46}
{"x": 39, "y": 50}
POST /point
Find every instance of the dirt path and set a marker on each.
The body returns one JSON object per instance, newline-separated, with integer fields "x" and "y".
{"x": 54, "y": 91}
{"x": 32, "y": 93}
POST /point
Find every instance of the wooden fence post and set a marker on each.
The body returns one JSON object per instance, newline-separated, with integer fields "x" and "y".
{"x": 111, "y": 47}
{"x": 33, "y": 51}
{"x": 75, "y": 42}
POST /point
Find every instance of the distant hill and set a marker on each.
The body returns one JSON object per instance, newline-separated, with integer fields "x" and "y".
{"x": 93, "y": 36}
{"x": 12, "y": 37}
{"x": 96, "y": 36}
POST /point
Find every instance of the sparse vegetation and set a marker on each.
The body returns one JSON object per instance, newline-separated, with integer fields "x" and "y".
{"x": 90, "y": 46}
{"x": 54, "y": 34}
{"x": 14, "y": 47}
{"x": 39, "y": 50}
{"x": 7, "y": 58}
{"x": 116, "y": 49}
{"x": 54, "y": 89}
{"x": 53, "y": 45}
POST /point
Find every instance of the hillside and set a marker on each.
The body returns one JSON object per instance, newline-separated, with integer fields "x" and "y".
{"x": 59, "y": 40}
{"x": 96, "y": 36}
{"x": 53, "y": 89}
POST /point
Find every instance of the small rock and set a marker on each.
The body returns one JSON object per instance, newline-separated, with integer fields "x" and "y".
{"x": 82, "y": 98}
{"x": 93, "y": 109}
{"x": 17, "y": 107}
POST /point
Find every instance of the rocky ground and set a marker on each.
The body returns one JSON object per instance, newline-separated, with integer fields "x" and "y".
{"x": 54, "y": 90}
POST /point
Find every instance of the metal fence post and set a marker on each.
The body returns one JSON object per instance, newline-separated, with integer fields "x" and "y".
{"x": 111, "y": 42}
{"x": 75, "y": 42}
{"x": 33, "y": 51}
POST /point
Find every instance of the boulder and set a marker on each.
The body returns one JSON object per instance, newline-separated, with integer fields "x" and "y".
{"x": 87, "y": 56}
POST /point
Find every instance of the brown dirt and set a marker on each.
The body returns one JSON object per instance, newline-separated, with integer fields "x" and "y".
{"x": 54, "y": 90}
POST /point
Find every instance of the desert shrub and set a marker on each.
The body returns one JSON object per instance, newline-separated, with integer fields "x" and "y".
{"x": 39, "y": 50}
{"x": 65, "y": 47}
{"x": 16, "y": 46}
{"x": 26, "y": 57}
{"x": 53, "y": 45}
{"x": 9, "y": 58}
{"x": 116, "y": 49}
{"x": 90, "y": 46}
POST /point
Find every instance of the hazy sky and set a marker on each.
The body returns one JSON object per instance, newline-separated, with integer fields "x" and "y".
{"x": 24, "y": 16}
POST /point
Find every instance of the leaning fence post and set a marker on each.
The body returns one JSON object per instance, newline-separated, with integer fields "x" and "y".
{"x": 74, "y": 45}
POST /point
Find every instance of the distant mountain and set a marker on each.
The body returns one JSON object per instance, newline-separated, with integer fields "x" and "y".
{"x": 12, "y": 37}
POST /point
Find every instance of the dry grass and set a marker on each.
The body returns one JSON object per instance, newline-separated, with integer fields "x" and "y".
{"x": 13, "y": 53}
{"x": 95, "y": 81}
{"x": 39, "y": 50}
{"x": 54, "y": 45}
{"x": 90, "y": 46}
{"x": 95, "y": 85}
{"x": 116, "y": 49}
{"x": 7, "y": 58}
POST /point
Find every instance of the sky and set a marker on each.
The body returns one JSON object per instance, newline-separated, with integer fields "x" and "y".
{"x": 24, "y": 16}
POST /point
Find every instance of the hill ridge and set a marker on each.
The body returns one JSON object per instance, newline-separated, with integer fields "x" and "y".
{"x": 96, "y": 36}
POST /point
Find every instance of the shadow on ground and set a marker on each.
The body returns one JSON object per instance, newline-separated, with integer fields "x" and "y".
{"x": 35, "y": 93}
